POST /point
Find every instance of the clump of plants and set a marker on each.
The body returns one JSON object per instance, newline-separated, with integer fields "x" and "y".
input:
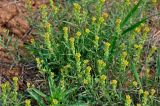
{"x": 92, "y": 53}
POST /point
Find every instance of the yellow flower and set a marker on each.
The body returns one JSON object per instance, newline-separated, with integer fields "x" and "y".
{"x": 113, "y": 82}
{"x": 32, "y": 41}
{"x": 102, "y": 1}
{"x": 43, "y": 6}
{"x": 138, "y": 29}
{"x": 47, "y": 37}
{"x": 146, "y": 29}
{"x": 96, "y": 42}
{"x": 154, "y": 1}
{"x": 147, "y": 73}
{"x": 55, "y": 101}
{"x": 15, "y": 79}
{"x": 128, "y": 100}
{"x": 140, "y": 91}
{"x": 77, "y": 56}
{"x": 124, "y": 54}
{"x": 107, "y": 45}
{"x": 85, "y": 61}
{"x": 135, "y": 2}
{"x": 47, "y": 25}
{"x": 78, "y": 34}
{"x": 65, "y": 29}
{"x": 85, "y": 81}
{"x": 77, "y": 6}
{"x": 125, "y": 62}
{"x": 138, "y": 104}
{"x": 7, "y": 84}
{"x": 88, "y": 69}
{"x": 128, "y": 2}
{"x": 154, "y": 48}
{"x": 93, "y": 19}
{"x": 43, "y": 11}
{"x": 55, "y": 9}
{"x": 146, "y": 93}
{"x": 4, "y": 86}
{"x": 29, "y": 2}
{"x": 101, "y": 63}
{"x": 103, "y": 77}
{"x": 28, "y": 85}
{"x": 128, "y": 97}
{"x": 27, "y": 102}
{"x": 135, "y": 83}
{"x": 72, "y": 41}
{"x": 138, "y": 46}
{"x": 38, "y": 61}
{"x": 118, "y": 22}
{"x": 105, "y": 15}
{"x": 153, "y": 91}
{"x": 52, "y": 74}
{"x": 62, "y": 82}
{"x": 96, "y": 38}
{"x": 87, "y": 31}
{"x": 15, "y": 83}
{"x": 67, "y": 66}
{"x": 101, "y": 19}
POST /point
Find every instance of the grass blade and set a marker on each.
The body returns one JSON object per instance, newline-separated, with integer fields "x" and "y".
{"x": 134, "y": 26}
{"x": 135, "y": 73}
{"x": 37, "y": 97}
{"x": 131, "y": 13}
{"x": 39, "y": 92}
{"x": 51, "y": 85}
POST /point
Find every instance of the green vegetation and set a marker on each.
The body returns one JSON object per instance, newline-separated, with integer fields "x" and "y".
{"x": 93, "y": 52}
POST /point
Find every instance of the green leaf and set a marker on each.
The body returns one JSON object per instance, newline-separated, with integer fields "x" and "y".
{"x": 51, "y": 85}
{"x": 134, "y": 26}
{"x": 37, "y": 97}
{"x": 135, "y": 73}
{"x": 71, "y": 90}
{"x": 39, "y": 92}
{"x": 9, "y": 40}
{"x": 131, "y": 13}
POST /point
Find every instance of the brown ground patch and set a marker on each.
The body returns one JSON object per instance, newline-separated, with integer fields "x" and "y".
{"x": 13, "y": 18}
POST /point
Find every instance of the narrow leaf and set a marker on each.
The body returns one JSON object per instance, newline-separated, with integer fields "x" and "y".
{"x": 135, "y": 73}
{"x": 134, "y": 26}
{"x": 39, "y": 92}
{"x": 131, "y": 13}
{"x": 51, "y": 85}
{"x": 37, "y": 97}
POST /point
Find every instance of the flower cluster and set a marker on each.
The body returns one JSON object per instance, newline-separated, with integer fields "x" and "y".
{"x": 114, "y": 84}
{"x": 124, "y": 62}
{"x": 100, "y": 66}
{"x": 128, "y": 101}
{"x": 77, "y": 7}
{"x": 71, "y": 41}
{"x": 96, "y": 42}
{"x": 106, "y": 50}
{"x": 27, "y": 102}
{"x": 78, "y": 62}
{"x": 65, "y": 29}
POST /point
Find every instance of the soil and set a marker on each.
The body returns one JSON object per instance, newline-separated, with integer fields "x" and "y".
{"x": 13, "y": 20}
